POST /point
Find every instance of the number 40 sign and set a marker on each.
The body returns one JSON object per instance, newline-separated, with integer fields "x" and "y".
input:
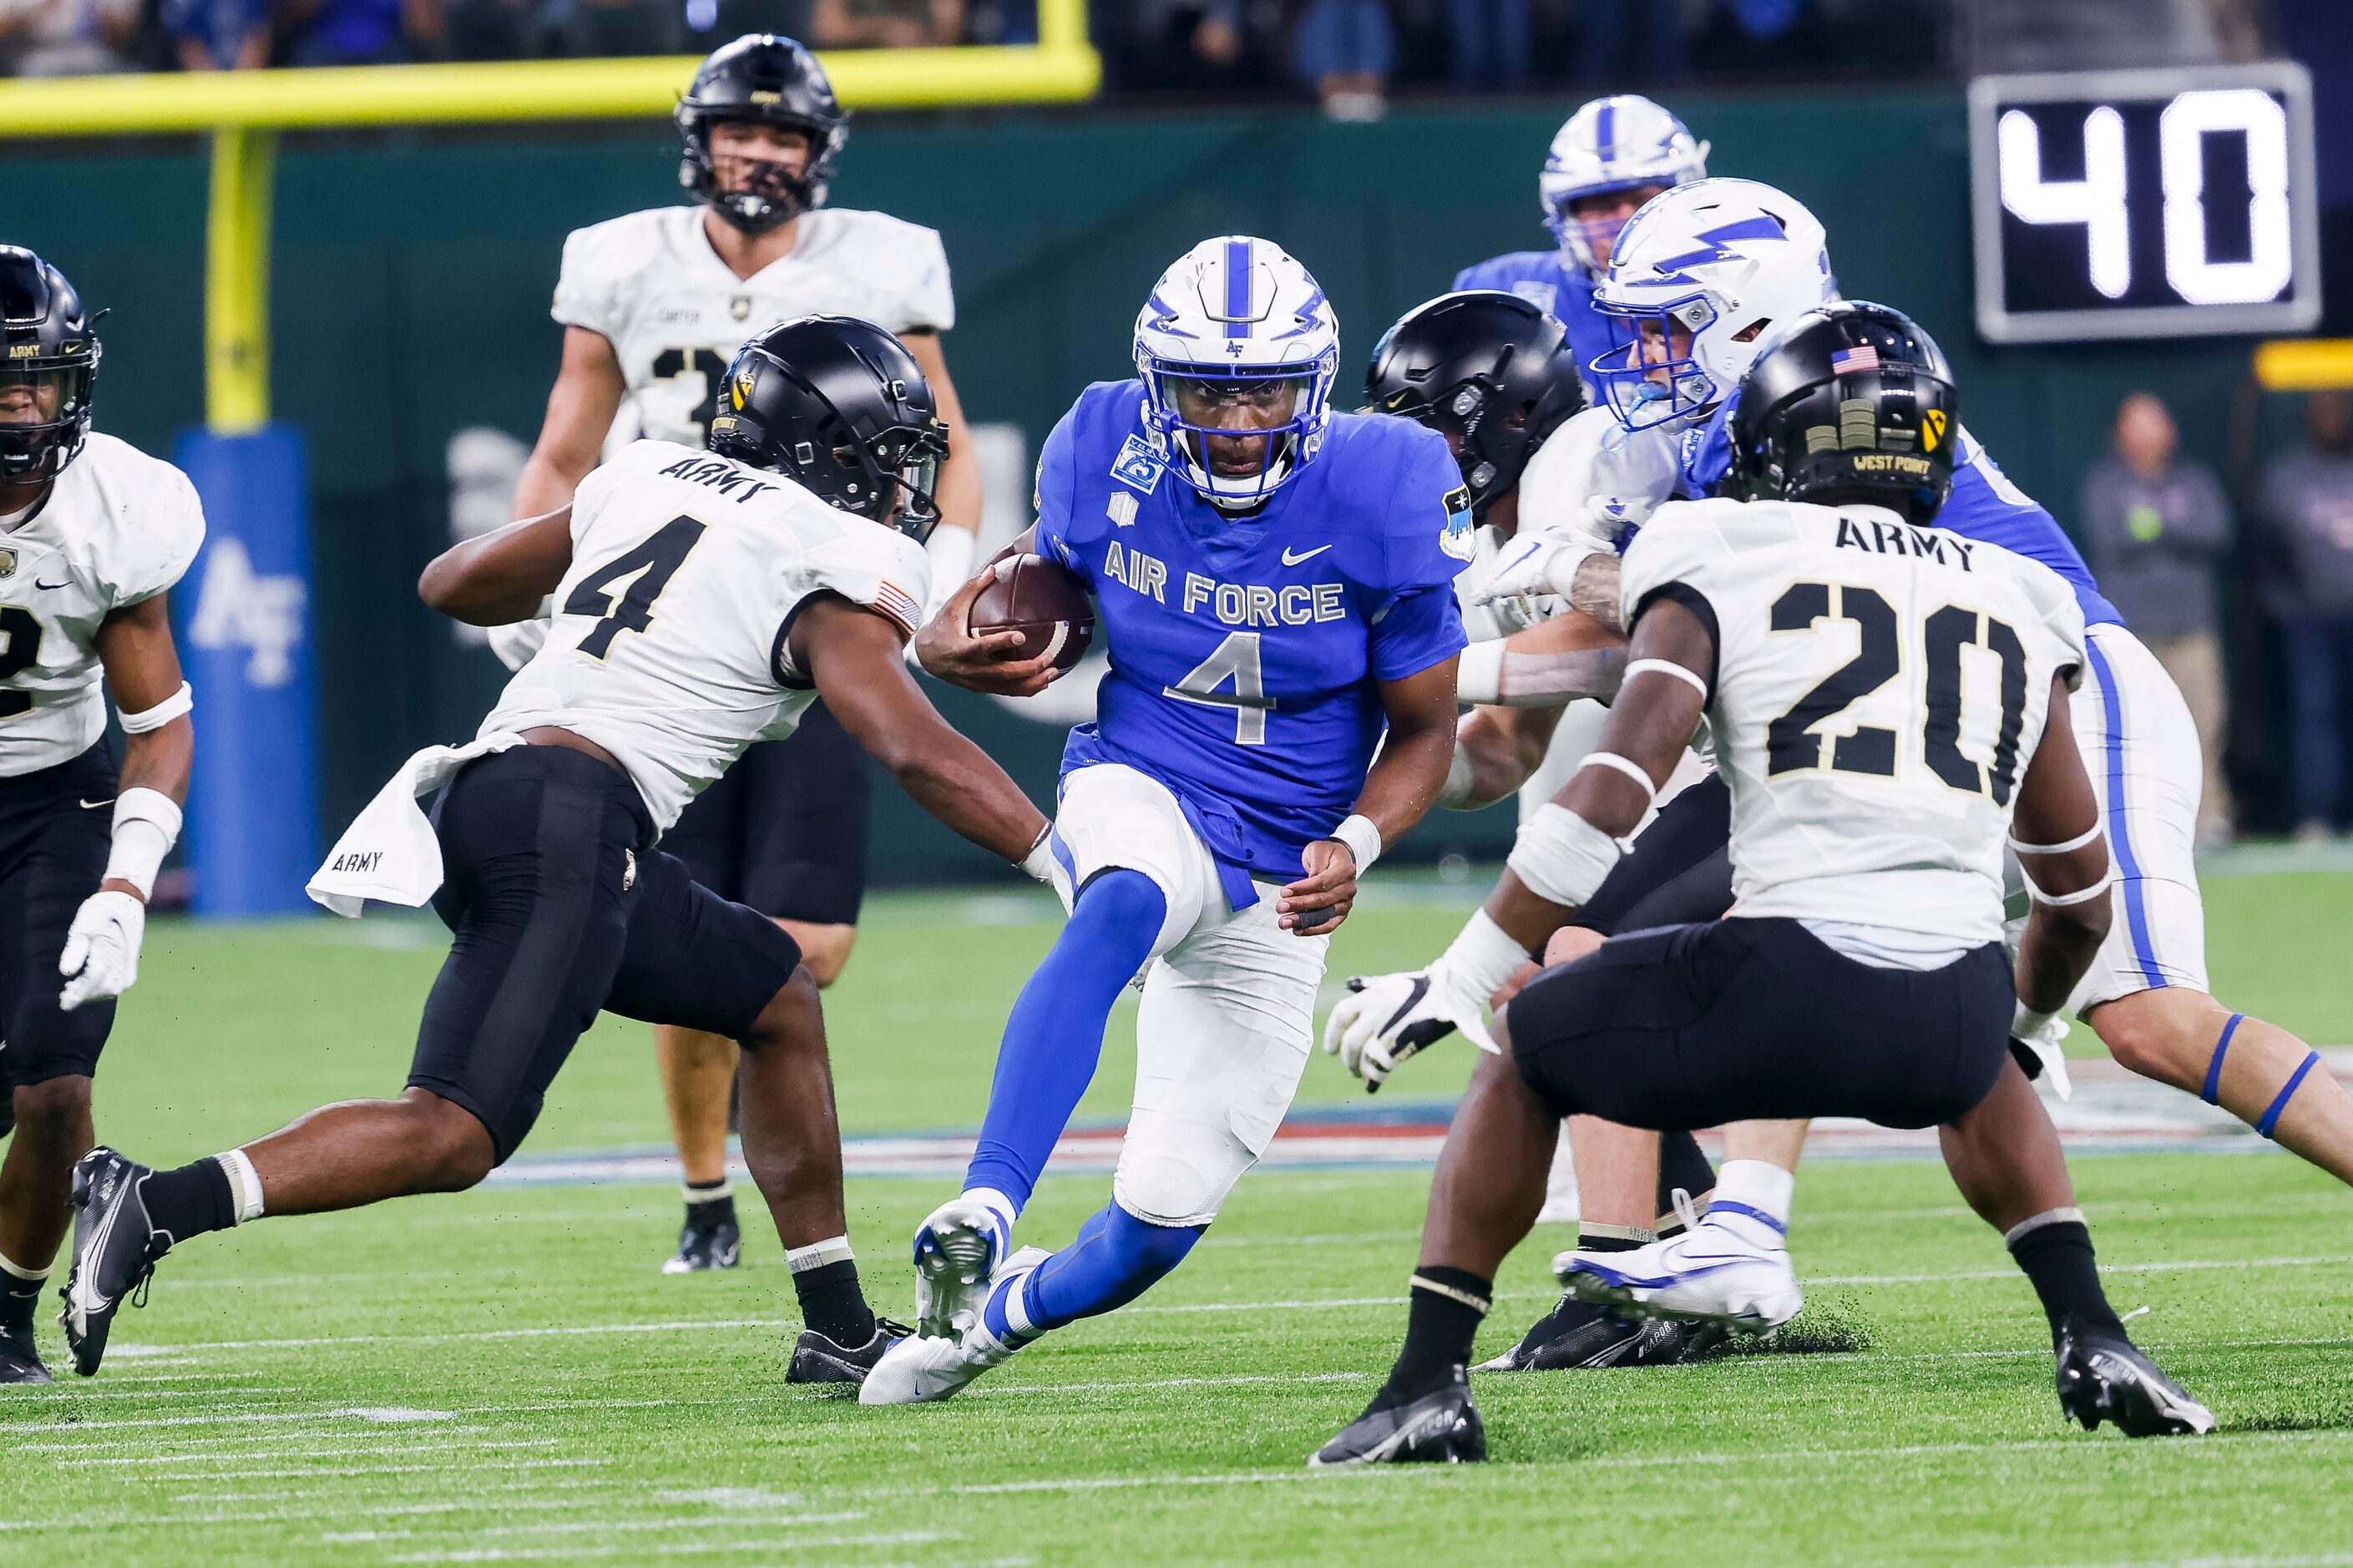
{"x": 2144, "y": 204}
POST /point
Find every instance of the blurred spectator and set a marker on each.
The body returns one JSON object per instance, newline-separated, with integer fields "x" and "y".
{"x": 2156, "y": 524}
{"x": 359, "y": 32}
{"x": 67, "y": 37}
{"x": 2307, "y": 504}
{"x": 710, "y": 23}
{"x": 602, "y": 30}
{"x": 2082, "y": 35}
{"x": 1655, "y": 27}
{"x": 491, "y": 29}
{"x": 886, "y": 24}
{"x": 1490, "y": 44}
{"x": 217, "y": 35}
{"x": 1344, "y": 50}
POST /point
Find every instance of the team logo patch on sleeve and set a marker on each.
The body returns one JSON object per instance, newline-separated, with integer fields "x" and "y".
{"x": 1456, "y": 540}
{"x": 1138, "y": 466}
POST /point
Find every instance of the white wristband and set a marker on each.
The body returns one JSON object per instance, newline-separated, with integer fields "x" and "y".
{"x": 1363, "y": 839}
{"x": 146, "y": 825}
{"x": 162, "y": 713}
{"x": 1479, "y": 674}
{"x": 1561, "y": 857}
{"x": 948, "y": 551}
{"x": 1483, "y": 956}
{"x": 1039, "y": 862}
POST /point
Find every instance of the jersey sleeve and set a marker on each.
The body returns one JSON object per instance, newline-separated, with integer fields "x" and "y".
{"x": 1592, "y": 484}
{"x": 877, "y": 568}
{"x": 1678, "y": 548}
{"x": 1417, "y": 621}
{"x": 588, "y": 288}
{"x": 1057, "y": 490}
{"x": 927, "y": 302}
{"x": 162, "y": 529}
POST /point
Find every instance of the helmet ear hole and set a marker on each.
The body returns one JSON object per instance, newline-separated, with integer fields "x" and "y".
{"x": 1748, "y": 333}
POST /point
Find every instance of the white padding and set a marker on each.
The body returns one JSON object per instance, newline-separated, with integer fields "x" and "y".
{"x": 1666, "y": 667}
{"x": 1479, "y": 676}
{"x": 146, "y": 825}
{"x": 1363, "y": 839}
{"x": 1627, "y": 765}
{"x": 162, "y": 713}
{"x": 1561, "y": 857}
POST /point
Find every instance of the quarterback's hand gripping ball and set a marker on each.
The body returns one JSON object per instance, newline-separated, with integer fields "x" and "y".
{"x": 101, "y": 960}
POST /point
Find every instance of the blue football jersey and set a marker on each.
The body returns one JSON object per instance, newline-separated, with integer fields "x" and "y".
{"x": 1983, "y": 504}
{"x": 1562, "y": 291}
{"x": 1245, "y": 651}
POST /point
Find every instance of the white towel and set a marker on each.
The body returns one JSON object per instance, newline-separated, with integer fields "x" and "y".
{"x": 390, "y": 852}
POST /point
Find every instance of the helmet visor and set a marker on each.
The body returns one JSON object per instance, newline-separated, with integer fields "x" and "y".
{"x": 918, "y": 476}
{"x": 1649, "y": 374}
{"x": 1237, "y": 423}
{"x": 42, "y": 405}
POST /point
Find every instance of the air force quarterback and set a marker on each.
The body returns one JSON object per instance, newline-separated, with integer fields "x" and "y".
{"x": 1276, "y": 583}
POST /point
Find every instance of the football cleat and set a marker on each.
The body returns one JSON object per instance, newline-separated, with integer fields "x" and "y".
{"x": 957, "y": 1251}
{"x": 819, "y": 1358}
{"x": 702, "y": 1247}
{"x": 1442, "y": 1427}
{"x": 20, "y": 1360}
{"x": 928, "y": 1367}
{"x": 2104, "y": 1376}
{"x": 1712, "y": 1275}
{"x": 1579, "y": 1333}
{"x": 114, "y": 1251}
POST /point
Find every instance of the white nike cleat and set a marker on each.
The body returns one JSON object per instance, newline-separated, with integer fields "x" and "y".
{"x": 957, "y": 1252}
{"x": 922, "y": 1369}
{"x": 1716, "y": 1273}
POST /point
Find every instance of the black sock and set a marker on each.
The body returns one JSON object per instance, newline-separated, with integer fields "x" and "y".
{"x": 1680, "y": 1164}
{"x": 2058, "y": 1258}
{"x": 704, "y": 1211}
{"x": 1442, "y": 1320}
{"x": 190, "y": 1201}
{"x": 832, "y": 1303}
{"x": 1611, "y": 1238}
{"x": 19, "y": 1299}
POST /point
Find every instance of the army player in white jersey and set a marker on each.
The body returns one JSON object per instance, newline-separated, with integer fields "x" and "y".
{"x": 1888, "y": 703}
{"x": 703, "y": 601}
{"x": 92, "y": 534}
{"x": 653, "y": 306}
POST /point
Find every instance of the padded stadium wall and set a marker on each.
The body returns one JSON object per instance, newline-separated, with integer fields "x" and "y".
{"x": 412, "y": 273}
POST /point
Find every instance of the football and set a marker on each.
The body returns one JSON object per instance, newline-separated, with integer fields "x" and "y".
{"x": 1045, "y": 603}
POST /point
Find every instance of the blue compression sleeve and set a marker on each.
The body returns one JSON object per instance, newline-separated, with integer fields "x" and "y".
{"x": 1116, "y": 1259}
{"x": 1054, "y": 1036}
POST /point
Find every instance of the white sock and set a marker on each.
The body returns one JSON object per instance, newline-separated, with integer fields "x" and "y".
{"x": 243, "y": 1184}
{"x": 1759, "y": 1185}
{"x": 725, "y": 1188}
{"x": 817, "y": 1254}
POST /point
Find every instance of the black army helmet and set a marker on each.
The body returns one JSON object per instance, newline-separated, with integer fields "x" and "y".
{"x": 1487, "y": 370}
{"x": 772, "y": 80}
{"x": 48, "y": 366}
{"x": 1849, "y": 399}
{"x": 839, "y": 407}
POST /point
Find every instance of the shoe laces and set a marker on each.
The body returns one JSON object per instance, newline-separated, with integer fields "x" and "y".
{"x": 1687, "y": 1213}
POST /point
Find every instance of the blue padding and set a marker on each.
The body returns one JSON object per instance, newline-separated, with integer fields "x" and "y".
{"x": 2214, "y": 1068}
{"x": 2270, "y": 1116}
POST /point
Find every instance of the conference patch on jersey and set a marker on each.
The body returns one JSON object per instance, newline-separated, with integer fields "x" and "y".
{"x": 1138, "y": 466}
{"x": 1456, "y": 540}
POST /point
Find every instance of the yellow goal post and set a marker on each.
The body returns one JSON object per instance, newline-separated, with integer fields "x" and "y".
{"x": 244, "y": 110}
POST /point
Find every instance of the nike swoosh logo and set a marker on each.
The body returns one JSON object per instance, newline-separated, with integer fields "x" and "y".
{"x": 94, "y": 805}
{"x": 38, "y": 584}
{"x": 1291, "y": 560}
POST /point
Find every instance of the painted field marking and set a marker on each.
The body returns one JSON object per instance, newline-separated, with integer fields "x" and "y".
{"x": 671, "y": 1549}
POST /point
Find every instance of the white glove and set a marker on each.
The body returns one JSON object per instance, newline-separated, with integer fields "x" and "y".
{"x": 101, "y": 959}
{"x": 2043, "y": 1035}
{"x": 1533, "y": 567}
{"x": 1386, "y": 1019}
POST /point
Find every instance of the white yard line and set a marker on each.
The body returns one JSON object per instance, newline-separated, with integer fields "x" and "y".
{"x": 671, "y": 1549}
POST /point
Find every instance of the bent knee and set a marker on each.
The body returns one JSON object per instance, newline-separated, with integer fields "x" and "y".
{"x": 454, "y": 1149}
{"x": 53, "y": 1108}
{"x": 2169, "y": 1035}
{"x": 1570, "y": 943}
{"x": 793, "y": 1015}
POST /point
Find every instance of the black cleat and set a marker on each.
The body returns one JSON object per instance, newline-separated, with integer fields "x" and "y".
{"x": 702, "y": 1247}
{"x": 1586, "y": 1334}
{"x": 20, "y": 1360}
{"x": 2104, "y": 1376}
{"x": 816, "y": 1359}
{"x": 1441, "y": 1427}
{"x": 114, "y": 1251}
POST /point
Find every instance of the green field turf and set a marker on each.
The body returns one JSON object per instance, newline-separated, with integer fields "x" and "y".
{"x": 504, "y": 1376}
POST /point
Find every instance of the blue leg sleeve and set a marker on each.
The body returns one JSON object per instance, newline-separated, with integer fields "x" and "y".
{"x": 1116, "y": 1258}
{"x": 1054, "y": 1038}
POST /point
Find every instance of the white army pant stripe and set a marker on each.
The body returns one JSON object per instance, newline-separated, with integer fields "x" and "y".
{"x": 1228, "y": 1012}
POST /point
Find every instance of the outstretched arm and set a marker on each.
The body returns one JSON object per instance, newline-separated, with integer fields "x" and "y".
{"x": 580, "y": 407}
{"x": 856, "y": 657}
{"x": 501, "y": 576}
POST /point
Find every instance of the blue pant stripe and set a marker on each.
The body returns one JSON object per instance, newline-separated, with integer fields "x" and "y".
{"x": 2214, "y": 1068}
{"x": 2271, "y": 1113}
{"x": 2112, "y": 718}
